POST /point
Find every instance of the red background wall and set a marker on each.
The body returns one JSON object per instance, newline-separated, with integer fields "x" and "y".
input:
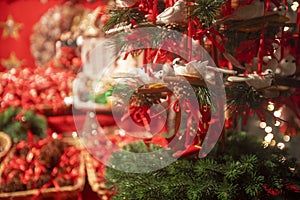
{"x": 26, "y": 12}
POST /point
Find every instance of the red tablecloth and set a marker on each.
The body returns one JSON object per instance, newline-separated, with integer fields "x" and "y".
{"x": 66, "y": 123}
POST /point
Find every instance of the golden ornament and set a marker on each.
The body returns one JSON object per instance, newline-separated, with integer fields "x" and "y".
{"x": 12, "y": 62}
{"x": 10, "y": 28}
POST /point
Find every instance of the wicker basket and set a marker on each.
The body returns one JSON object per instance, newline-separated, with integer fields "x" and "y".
{"x": 96, "y": 181}
{"x": 64, "y": 193}
{"x": 5, "y": 144}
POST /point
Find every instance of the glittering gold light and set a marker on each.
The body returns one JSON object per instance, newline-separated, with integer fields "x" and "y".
{"x": 273, "y": 143}
{"x": 277, "y": 113}
{"x": 10, "y": 28}
{"x": 12, "y": 61}
{"x": 286, "y": 138}
{"x": 277, "y": 123}
{"x": 268, "y": 138}
{"x": 268, "y": 129}
{"x": 262, "y": 124}
{"x": 295, "y": 6}
{"x": 270, "y": 106}
{"x": 280, "y": 145}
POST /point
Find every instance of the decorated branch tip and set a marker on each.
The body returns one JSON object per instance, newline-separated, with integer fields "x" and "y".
{"x": 249, "y": 11}
{"x": 175, "y": 14}
{"x": 287, "y": 66}
{"x": 139, "y": 75}
{"x": 197, "y": 68}
{"x": 257, "y": 81}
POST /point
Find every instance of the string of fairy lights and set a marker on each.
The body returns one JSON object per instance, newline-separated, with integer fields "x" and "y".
{"x": 271, "y": 128}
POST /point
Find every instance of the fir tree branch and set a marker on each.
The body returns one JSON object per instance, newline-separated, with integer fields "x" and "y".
{"x": 205, "y": 10}
{"x": 122, "y": 17}
{"x": 237, "y": 172}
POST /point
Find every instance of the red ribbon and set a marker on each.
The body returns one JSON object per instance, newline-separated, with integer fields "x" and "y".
{"x": 139, "y": 115}
{"x": 261, "y": 50}
{"x": 261, "y": 115}
{"x": 169, "y": 3}
{"x": 209, "y": 33}
{"x": 176, "y": 106}
{"x": 154, "y": 12}
{"x": 227, "y": 8}
{"x": 298, "y": 21}
{"x": 162, "y": 56}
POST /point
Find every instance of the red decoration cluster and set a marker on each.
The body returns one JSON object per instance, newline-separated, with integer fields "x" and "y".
{"x": 42, "y": 165}
{"x": 35, "y": 89}
{"x": 66, "y": 58}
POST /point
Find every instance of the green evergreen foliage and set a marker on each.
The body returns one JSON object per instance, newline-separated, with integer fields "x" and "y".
{"x": 206, "y": 11}
{"x": 244, "y": 169}
{"x": 16, "y": 126}
{"x": 243, "y": 97}
{"x": 204, "y": 96}
{"x": 121, "y": 17}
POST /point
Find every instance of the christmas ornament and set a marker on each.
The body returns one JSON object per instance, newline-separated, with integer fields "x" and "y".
{"x": 198, "y": 68}
{"x": 140, "y": 76}
{"x": 257, "y": 81}
{"x": 252, "y": 10}
{"x": 12, "y": 62}
{"x": 175, "y": 14}
{"x": 271, "y": 63}
{"x": 287, "y": 66}
{"x": 194, "y": 67}
{"x": 10, "y": 28}
{"x": 126, "y": 3}
{"x": 268, "y": 63}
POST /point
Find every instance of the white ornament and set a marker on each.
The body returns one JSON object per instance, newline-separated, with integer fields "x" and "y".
{"x": 287, "y": 66}
{"x": 272, "y": 63}
{"x": 281, "y": 10}
{"x": 125, "y": 3}
{"x": 250, "y": 11}
{"x": 139, "y": 75}
{"x": 176, "y": 13}
{"x": 257, "y": 81}
{"x": 179, "y": 67}
{"x": 197, "y": 68}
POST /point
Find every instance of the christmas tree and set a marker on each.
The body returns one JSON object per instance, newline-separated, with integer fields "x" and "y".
{"x": 204, "y": 93}
{"x": 210, "y": 66}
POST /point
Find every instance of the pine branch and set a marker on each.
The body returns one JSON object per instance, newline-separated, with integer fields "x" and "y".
{"x": 122, "y": 17}
{"x": 243, "y": 97}
{"x": 241, "y": 175}
{"x": 205, "y": 10}
{"x": 17, "y": 128}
